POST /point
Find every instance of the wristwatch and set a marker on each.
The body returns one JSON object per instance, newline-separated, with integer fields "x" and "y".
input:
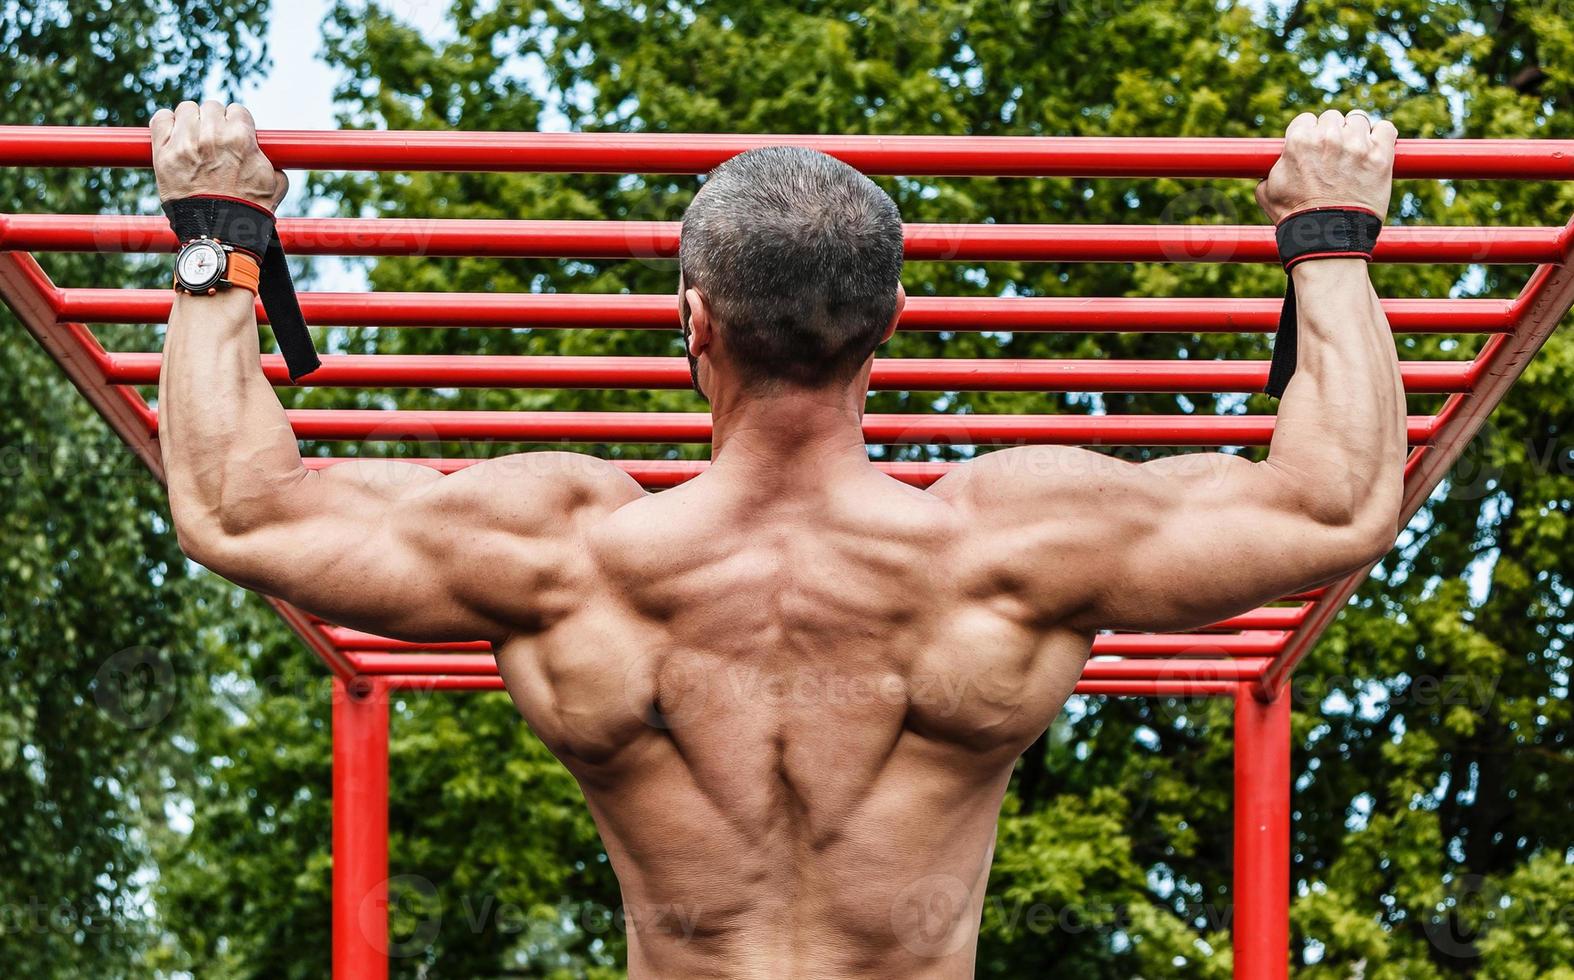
{"x": 205, "y": 265}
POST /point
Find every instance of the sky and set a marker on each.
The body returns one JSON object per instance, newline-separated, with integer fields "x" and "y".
{"x": 297, "y": 92}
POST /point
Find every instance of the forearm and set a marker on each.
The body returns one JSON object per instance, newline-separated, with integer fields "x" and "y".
{"x": 1339, "y": 441}
{"x": 229, "y": 453}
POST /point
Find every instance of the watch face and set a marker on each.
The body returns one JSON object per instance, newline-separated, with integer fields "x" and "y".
{"x": 199, "y": 265}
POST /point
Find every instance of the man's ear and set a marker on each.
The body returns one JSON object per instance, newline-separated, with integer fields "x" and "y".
{"x": 701, "y": 328}
{"x": 901, "y": 303}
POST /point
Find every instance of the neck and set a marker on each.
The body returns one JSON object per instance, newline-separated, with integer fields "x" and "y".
{"x": 791, "y": 435}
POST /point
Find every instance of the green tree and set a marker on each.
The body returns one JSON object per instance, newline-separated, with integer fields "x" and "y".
{"x": 1432, "y": 723}
{"x": 101, "y": 678}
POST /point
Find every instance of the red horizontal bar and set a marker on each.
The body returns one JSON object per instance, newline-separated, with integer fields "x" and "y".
{"x": 442, "y": 682}
{"x": 1113, "y": 688}
{"x": 1175, "y": 670}
{"x": 377, "y": 654}
{"x": 890, "y": 374}
{"x": 900, "y": 430}
{"x": 1266, "y": 618}
{"x": 469, "y": 664}
{"x": 427, "y": 663}
{"x": 1071, "y": 314}
{"x": 1431, "y": 244}
{"x": 998, "y": 156}
{"x": 357, "y": 640}
{"x": 1158, "y": 689}
{"x": 384, "y": 654}
{"x": 1254, "y": 643}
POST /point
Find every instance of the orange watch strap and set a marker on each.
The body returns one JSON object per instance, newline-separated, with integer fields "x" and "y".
{"x": 243, "y": 271}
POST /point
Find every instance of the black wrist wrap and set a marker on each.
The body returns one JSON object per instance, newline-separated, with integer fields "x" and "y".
{"x": 251, "y": 228}
{"x": 1320, "y": 233}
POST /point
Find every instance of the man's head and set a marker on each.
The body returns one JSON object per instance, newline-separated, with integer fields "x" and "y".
{"x": 791, "y": 264}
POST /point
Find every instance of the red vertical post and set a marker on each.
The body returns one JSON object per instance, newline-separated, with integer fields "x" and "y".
{"x": 360, "y": 829}
{"x": 1261, "y": 920}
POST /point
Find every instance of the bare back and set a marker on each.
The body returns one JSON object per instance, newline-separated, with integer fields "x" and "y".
{"x": 794, "y": 718}
{"x": 793, "y": 693}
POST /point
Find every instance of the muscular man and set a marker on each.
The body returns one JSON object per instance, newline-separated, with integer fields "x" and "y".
{"x": 793, "y": 688}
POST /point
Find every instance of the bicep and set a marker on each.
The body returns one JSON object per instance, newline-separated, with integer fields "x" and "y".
{"x": 397, "y": 549}
{"x": 1094, "y": 542}
{"x": 348, "y": 543}
{"x": 1198, "y": 538}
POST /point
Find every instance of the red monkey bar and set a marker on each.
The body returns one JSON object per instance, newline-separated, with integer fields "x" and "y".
{"x": 1249, "y": 657}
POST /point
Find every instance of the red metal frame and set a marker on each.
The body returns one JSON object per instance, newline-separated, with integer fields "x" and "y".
{"x": 1261, "y": 924}
{"x": 546, "y": 311}
{"x": 1248, "y": 657}
{"x": 360, "y": 828}
{"x": 645, "y": 153}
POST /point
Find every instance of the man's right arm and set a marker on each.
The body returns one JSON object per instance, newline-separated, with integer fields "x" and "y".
{"x": 1095, "y": 543}
{"x": 381, "y": 545}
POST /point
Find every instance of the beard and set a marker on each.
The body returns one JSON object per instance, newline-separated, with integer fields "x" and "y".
{"x": 694, "y": 377}
{"x": 694, "y": 363}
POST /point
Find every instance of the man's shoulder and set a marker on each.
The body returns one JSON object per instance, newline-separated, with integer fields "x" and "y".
{"x": 1027, "y": 474}
{"x": 577, "y": 479}
{"x": 534, "y": 492}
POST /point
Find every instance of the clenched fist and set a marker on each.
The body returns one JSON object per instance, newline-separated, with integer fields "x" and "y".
{"x": 212, "y": 149}
{"x": 1331, "y": 161}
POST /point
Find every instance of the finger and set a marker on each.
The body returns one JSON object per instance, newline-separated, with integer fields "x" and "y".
{"x": 1301, "y": 125}
{"x": 1357, "y": 132}
{"x": 238, "y": 126}
{"x": 211, "y": 116}
{"x": 161, "y": 126}
{"x": 237, "y": 113}
{"x": 1330, "y": 125}
{"x": 1385, "y": 132}
{"x": 185, "y": 119}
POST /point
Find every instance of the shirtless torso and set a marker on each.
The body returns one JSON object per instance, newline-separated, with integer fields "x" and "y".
{"x": 792, "y": 689}
{"x": 794, "y": 718}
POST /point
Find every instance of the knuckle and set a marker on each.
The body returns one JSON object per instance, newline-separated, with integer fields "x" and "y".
{"x": 1300, "y": 124}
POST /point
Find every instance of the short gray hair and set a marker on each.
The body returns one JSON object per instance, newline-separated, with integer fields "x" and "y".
{"x": 799, "y": 257}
